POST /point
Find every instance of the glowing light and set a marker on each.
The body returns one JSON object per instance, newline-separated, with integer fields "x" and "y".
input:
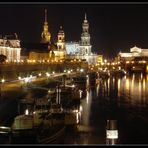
{"x": 3, "y": 80}
{"x": 39, "y": 74}
{"x": 112, "y": 134}
{"x": 47, "y": 74}
{"x": 81, "y": 70}
{"x": 81, "y": 108}
{"x": 26, "y": 112}
{"x": 68, "y": 71}
{"x": 80, "y": 92}
{"x": 19, "y": 78}
{"x": 77, "y": 117}
{"x": 127, "y": 84}
{"x": 26, "y": 79}
{"x": 127, "y": 62}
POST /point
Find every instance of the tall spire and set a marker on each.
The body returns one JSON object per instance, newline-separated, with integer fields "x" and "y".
{"x": 85, "y": 16}
{"x": 45, "y": 15}
{"x": 45, "y": 36}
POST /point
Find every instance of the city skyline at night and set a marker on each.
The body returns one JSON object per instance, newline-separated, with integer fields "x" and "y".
{"x": 113, "y": 27}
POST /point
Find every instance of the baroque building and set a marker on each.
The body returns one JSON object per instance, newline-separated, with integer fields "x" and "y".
{"x": 45, "y": 35}
{"x": 60, "y": 52}
{"x": 83, "y": 49}
{"x": 47, "y": 50}
{"x": 10, "y": 47}
{"x": 85, "y": 46}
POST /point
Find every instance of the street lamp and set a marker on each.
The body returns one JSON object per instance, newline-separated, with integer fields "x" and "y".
{"x": 2, "y": 81}
{"x": 48, "y": 75}
{"x": 39, "y": 74}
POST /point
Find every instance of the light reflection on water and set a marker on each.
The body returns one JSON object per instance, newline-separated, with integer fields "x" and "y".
{"x": 134, "y": 89}
{"x": 124, "y": 99}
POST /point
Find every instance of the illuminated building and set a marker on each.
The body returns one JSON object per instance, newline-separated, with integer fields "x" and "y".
{"x": 134, "y": 52}
{"x": 60, "y": 52}
{"x": 85, "y": 46}
{"x": 135, "y": 61}
{"x": 10, "y": 47}
{"x": 72, "y": 48}
{"x": 47, "y": 50}
{"x": 45, "y": 36}
{"x": 82, "y": 50}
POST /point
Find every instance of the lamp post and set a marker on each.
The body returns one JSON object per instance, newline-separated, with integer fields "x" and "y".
{"x": 48, "y": 75}
{"x": 2, "y": 81}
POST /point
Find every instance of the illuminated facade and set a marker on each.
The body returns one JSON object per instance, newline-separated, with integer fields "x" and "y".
{"x": 134, "y": 52}
{"x": 11, "y": 49}
{"x": 45, "y": 36}
{"x": 60, "y": 52}
{"x": 85, "y": 46}
{"x": 72, "y": 48}
{"x": 82, "y": 50}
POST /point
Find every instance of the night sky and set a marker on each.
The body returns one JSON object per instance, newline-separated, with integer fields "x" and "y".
{"x": 113, "y": 28}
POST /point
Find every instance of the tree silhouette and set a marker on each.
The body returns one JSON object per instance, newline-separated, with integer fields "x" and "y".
{"x": 2, "y": 58}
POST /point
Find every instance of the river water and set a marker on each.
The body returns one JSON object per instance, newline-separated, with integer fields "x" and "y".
{"x": 123, "y": 99}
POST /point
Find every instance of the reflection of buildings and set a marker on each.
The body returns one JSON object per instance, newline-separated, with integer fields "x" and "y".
{"x": 10, "y": 47}
{"x": 82, "y": 50}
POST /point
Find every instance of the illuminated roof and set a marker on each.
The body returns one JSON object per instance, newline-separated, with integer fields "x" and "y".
{"x": 10, "y": 43}
{"x": 136, "y": 49}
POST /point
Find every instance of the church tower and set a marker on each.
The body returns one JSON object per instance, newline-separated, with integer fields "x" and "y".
{"x": 61, "y": 40}
{"x": 45, "y": 36}
{"x": 85, "y": 46}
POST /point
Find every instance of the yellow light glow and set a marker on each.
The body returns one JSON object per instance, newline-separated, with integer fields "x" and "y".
{"x": 127, "y": 62}
{"x": 132, "y": 62}
{"x": 19, "y": 78}
{"x": 3, "y": 80}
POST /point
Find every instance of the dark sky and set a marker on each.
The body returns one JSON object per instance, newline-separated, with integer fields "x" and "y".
{"x": 113, "y": 27}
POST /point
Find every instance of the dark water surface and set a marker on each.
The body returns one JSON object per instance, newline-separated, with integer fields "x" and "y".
{"x": 123, "y": 99}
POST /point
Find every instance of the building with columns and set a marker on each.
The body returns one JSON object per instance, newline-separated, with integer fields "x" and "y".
{"x": 10, "y": 47}
{"x": 135, "y": 52}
